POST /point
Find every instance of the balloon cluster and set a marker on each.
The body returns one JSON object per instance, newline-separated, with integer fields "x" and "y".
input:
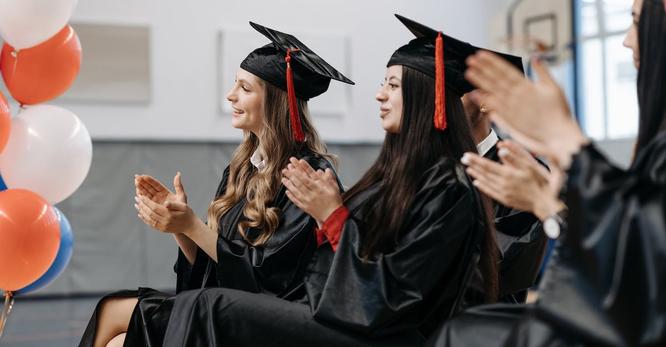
{"x": 45, "y": 151}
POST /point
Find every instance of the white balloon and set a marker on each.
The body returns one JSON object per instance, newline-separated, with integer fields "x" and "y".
{"x": 27, "y": 23}
{"x": 49, "y": 152}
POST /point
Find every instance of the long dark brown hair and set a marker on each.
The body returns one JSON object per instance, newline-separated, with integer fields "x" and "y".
{"x": 651, "y": 72}
{"x": 402, "y": 162}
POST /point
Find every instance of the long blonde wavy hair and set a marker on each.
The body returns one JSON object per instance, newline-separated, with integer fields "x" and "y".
{"x": 260, "y": 187}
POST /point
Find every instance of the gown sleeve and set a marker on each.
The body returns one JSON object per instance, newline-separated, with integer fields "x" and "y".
{"x": 521, "y": 242}
{"x": 611, "y": 276}
{"x": 279, "y": 266}
{"x": 192, "y": 276}
{"x": 391, "y": 291}
{"x": 332, "y": 228}
{"x": 604, "y": 284}
{"x": 522, "y": 245}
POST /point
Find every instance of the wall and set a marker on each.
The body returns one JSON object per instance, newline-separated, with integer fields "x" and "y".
{"x": 185, "y": 92}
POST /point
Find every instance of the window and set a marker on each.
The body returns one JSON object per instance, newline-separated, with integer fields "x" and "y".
{"x": 607, "y": 103}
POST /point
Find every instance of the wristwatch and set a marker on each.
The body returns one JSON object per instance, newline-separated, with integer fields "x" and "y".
{"x": 552, "y": 226}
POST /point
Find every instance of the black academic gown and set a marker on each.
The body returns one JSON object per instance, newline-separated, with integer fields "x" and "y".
{"x": 606, "y": 285}
{"x": 275, "y": 269}
{"x": 381, "y": 301}
{"x": 522, "y": 244}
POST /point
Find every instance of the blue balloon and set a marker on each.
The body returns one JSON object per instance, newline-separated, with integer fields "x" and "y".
{"x": 61, "y": 260}
{"x": 3, "y": 186}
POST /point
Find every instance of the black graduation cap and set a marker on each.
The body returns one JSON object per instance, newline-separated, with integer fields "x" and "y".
{"x": 441, "y": 57}
{"x": 291, "y": 66}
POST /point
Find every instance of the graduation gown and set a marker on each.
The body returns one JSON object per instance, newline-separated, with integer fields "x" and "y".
{"x": 606, "y": 283}
{"x": 275, "y": 269}
{"x": 351, "y": 301}
{"x": 522, "y": 244}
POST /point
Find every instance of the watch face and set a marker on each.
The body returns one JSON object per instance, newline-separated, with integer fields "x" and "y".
{"x": 551, "y": 227}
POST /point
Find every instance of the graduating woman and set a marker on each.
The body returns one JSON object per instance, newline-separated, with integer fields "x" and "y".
{"x": 397, "y": 251}
{"x": 263, "y": 241}
{"x": 606, "y": 287}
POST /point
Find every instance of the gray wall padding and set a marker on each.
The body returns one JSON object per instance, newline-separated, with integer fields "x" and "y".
{"x": 113, "y": 249}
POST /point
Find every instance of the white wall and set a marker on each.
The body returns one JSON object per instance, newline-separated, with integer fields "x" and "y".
{"x": 184, "y": 101}
{"x": 528, "y": 9}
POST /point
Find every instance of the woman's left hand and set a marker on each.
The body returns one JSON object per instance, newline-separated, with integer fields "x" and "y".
{"x": 536, "y": 114}
{"x": 315, "y": 192}
{"x": 519, "y": 182}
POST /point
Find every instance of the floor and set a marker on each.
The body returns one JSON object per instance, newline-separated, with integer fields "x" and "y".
{"x": 47, "y": 322}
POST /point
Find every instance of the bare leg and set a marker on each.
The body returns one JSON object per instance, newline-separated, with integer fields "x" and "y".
{"x": 113, "y": 320}
{"x": 117, "y": 341}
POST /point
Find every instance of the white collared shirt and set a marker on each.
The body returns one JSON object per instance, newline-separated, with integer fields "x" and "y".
{"x": 484, "y": 146}
{"x": 257, "y": 160}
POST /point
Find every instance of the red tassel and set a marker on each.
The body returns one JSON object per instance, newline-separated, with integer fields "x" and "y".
{"x": 440, "y": 80}
{"x": 295, "y": 118}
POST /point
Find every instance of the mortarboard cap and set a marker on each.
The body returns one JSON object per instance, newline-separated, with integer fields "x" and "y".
{"x": 441, "y": 57}
{"x": 291, "y": 66}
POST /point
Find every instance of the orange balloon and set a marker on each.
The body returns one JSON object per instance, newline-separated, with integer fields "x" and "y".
{"x": 29, "y": 238}
{"x": 41, "y": 73}
{"x": 5, "y": 122}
